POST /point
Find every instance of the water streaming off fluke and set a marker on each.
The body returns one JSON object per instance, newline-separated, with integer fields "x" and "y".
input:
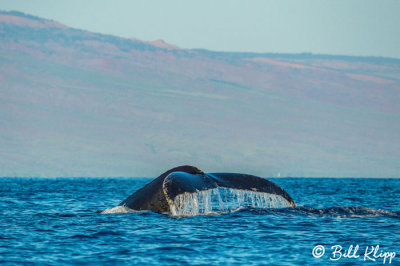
{"x": 223, "y": 200}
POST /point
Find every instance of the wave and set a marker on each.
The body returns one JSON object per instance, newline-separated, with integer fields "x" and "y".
{"x": 221, "y": 201}
{"x": 336, "y": 211}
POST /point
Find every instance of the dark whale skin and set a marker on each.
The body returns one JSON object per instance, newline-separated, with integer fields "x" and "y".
{"x": 152, "y": 196}
{"x": 156, "y": 195}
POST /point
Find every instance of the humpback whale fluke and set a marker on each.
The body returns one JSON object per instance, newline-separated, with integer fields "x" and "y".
{"x": 161, "y": 194}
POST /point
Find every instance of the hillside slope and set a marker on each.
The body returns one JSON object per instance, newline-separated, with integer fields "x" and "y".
{"x": 77, "y": 103}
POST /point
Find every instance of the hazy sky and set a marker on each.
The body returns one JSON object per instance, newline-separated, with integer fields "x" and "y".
{"x": 350, "y": 27}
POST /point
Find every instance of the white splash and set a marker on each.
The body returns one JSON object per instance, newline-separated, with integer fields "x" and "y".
{"x": 118, "y": 209}
{"x": 219, "y": 200}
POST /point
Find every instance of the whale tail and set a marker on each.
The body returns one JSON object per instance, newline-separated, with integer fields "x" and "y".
{"x": 250, "y": 182}
{"x": 181, "y": 186}
{"x": 152, "y": 196}
{"x": 185, "y": 192}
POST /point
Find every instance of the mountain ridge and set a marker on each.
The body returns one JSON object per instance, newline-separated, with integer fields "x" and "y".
{"x": 77, "y": 103}
{"x": 240, "y": 54}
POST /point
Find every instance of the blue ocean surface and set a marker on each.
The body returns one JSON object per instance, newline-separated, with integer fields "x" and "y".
{"x": 57, "y": 221}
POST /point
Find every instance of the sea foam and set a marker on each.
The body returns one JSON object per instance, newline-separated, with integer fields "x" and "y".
{"x": 118, "y": 209}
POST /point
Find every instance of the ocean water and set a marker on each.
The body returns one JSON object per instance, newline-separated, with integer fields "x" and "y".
{"x": 59, "y": 221}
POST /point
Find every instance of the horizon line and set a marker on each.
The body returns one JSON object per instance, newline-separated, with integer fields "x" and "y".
{"x": 103, "y": 177}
